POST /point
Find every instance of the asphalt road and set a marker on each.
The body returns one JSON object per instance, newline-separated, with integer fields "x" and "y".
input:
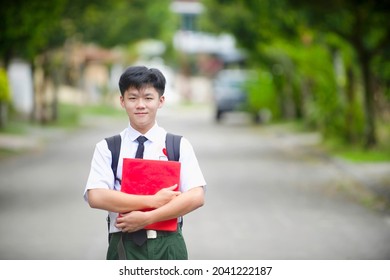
{"x": 269, "y": 196}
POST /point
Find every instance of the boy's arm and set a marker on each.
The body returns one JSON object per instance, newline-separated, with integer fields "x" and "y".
{"x": 179, "y": 206}
{"x": 119, "y": 202}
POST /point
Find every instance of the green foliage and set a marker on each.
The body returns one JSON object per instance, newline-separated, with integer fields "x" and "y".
{"x": 381, "y": 68}
{"x": 299, "y": 42}
{"x": 364, "y": 25}
{"x": 117, "y": 22}
{"x": 5, "y": 94}
{"x": 27, "y": 25}
{"x": 315, "y": 67}
{"x": 252, "y": 22}
{"x": 304, "y": 75}
{"x": 261, "y": 95}
{"x": 302, "y": 82}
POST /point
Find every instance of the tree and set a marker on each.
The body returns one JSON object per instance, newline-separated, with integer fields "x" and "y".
{"x": 118, "y": 22}
{"x": 33, "y": 29}
{"x": 26, "y": 26}
{"x": 362, "y": 24}
{"x": 365, "y": 26}
{"x": 257, "y": 25}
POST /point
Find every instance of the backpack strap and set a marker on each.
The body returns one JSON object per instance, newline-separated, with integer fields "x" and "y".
{"x": 172, "y": 144}
{"x": 114, "y": 145}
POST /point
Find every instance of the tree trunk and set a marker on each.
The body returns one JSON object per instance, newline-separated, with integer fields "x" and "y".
{"x": 3, "y": 114}
{"x": 350, "y": 133}
{"x": 370, "y": 139}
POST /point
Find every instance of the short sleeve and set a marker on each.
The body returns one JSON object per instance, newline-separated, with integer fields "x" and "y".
{"x": 100, "y": 174}
{"x": 191, "y": 175}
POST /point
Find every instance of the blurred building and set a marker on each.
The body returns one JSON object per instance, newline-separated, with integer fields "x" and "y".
{"x": 203, "y": 54}
{"x": 192, "y": 41}
{"x": 21, "y": 86}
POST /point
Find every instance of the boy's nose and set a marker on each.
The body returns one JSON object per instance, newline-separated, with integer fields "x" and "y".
{"x": 140, "y": 103}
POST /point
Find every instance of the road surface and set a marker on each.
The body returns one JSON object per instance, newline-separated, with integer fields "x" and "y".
{"x": 269, "y": 196}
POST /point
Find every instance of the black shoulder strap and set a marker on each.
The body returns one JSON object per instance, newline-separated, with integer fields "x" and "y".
{"x": 172, "y": 144}
{"x": 114, "y": 145}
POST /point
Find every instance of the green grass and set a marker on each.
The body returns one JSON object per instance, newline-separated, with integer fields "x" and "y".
{"x": 68, "y": 116}
{"x": 102, "y": 110}
{"x": 354, "y": 153}
{"x": 7, "y": 153}
{"x": 15, "y": 126}
{"x": 357, "y": 153}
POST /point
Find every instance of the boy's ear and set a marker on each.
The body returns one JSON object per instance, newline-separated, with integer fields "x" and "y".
{"x": 122, "y": 101}
{"x": 162, "y": 100}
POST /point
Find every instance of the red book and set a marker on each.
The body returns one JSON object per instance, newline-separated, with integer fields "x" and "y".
{"x": 147, "y": 177}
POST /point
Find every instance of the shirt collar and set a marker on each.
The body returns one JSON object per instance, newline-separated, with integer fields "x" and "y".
{"x": 152, "y": 134}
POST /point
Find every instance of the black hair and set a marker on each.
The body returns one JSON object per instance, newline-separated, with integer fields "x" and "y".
{"x": 141, "y": 76}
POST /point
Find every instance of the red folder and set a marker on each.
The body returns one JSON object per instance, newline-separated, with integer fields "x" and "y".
{"x": 146, "y": 177}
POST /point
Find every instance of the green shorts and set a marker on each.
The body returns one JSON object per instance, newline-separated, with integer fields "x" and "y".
{"x": 167, "y": 246}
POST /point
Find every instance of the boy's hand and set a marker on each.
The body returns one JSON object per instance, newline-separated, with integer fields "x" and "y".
{"x": 132, "y": 221}
{"x": 165, "y": 195}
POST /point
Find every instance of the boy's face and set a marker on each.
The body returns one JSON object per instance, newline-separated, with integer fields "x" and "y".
{"x": 141, "y": 107}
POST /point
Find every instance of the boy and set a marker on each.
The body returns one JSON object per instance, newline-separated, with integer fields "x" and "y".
{"x": 142, "y": 94}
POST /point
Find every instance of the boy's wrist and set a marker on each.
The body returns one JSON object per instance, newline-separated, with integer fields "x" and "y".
{"x": 149, "y": 217}
{"x": 151, "y": 202}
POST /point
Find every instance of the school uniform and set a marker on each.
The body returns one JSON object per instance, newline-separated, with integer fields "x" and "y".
{"x": 159, "y": 245}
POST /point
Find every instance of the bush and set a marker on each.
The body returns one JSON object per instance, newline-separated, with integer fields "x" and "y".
{"x": 262, "y": 95}
{"x": 5, "y": 94}
{"x": 5, "y": 97}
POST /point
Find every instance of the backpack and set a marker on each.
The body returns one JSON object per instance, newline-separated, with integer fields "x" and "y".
{"x": 172, "y": 144}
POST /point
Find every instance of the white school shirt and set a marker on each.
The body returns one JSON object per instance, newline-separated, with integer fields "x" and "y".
{"x": 102, "y": 177}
